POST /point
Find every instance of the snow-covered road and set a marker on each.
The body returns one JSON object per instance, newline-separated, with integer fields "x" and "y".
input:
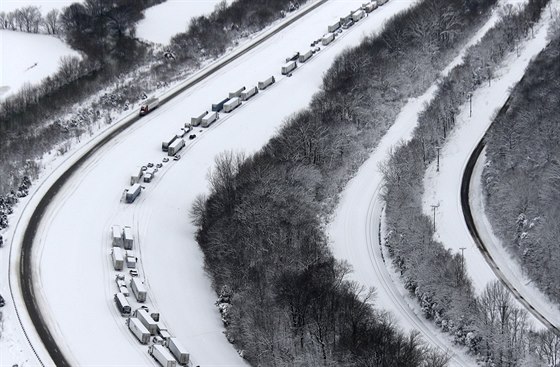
{"x": 443, "y": 188}
{"x": 76, "y": 280}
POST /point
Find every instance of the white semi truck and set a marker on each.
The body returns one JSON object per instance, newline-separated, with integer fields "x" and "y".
{"x": 178, "y": 351}
{"x": 232, "y": 104}
{"x": 139, "y": 330}
{"x": 327, "y": 38}
{"x": 128, "y": 238}
{"x": 162, "y": 355}
{"x": 237, "y": 93}
{"x": 122, "y": 304}
{"x": 306, "y": 56}
{"x": 146, "y": 320}
{"x": 133, "y": 192}
{"x": 358, "y": 14}
{"x": 118, "y": 258}
{"x": 289, "y": 67}
{"x": 175, "y": 147}
{"x": 138, "y": 289}
{"x": 266, "y": 83}
{"x": 333, "y": 26}
{"x": 117, "y": 235}
{"x": 195, "y": 121}
{"x": 249, "y": 93}
{"x": 209, "y": 119}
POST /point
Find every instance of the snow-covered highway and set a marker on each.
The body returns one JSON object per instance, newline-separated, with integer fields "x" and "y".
{"x": 75, "y": 277}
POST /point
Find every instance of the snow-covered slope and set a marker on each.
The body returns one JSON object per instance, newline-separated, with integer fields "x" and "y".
{"x": 443, "y": 188}
{"x": 165, "y": 20}
{"x": 28, "y": 58}
{"x": 72, "y": 250}
{"x": 44, "y": 5}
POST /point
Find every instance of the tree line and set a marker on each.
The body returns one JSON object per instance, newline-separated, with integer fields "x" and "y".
{"x": 284, "y": 299}
{"x": 490, "y": 325}
{"x": 521, "y": 179}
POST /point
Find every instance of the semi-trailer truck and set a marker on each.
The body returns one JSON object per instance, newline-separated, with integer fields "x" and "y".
{"x": 133, "y": 192}
{"x": 237, "y": 93}
{"x": 138, "y": 289}
{"x": 249, "y": 93}
{"x": 327, "y": 38}
{"x": 139, "y": 330}
{"x": 162, "y": 355}
{"x": 128, "y": 238}
{"x": 217, "y": 107}
{"x": 288, "y": 67}
{"x": 333, "y": 26}
{"x": 118, "y": 258}
{"x": 266, "y": 83}
{"x": 166, "y": 143}
{"x": 209, "y": 119}
{"x": 178, "y": 351}
{"x": 122, "y": 304}
{"x": 306, "y": 56}
{"x": 175, "y": 147}
{"x": 146, "y": 320}
{"x": 232, "y": 104}
{"x": 117, "y": 235}
{"x": 195, "y": 121}
{"x": 148, "y": 106}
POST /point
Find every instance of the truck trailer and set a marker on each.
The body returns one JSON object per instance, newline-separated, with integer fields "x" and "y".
{"x": 306, "y": 56}
{"x": 175, "y": 147}
{"x": 148, "y": 106}
{"x": 358, "y": 14}
{"x": 138, "y": 173}
{"x": 128, "y": 238}
{"x": 138, "y": 289}
{"x": 333, "y": 26}
{"x": 289, "y": 67}
{"x": 266, "y": 83}
{"x": 249, "y": 93}
{"x": 195, "y": 121}
{"x": 369, "y": 7}
{"x": 327, "y": 38}
{"x": 139, "y": 330}
{"x": 162, "y": 331}
{"x": 146, "y": 320}
{"x": 217, "y": 107}
{"x": 117, "y": 235}
{"x": 133, "y": 192}
{"x": 232, "y": 104}
{"x": 237, "y": 93}
{"x": 162, "y": 355}
{"x": 122, "y": 304}
{"x": 209, "y": 119}
{"x": 117, "y": 257}
{"x": 178, "y": 351}
{"x": 166, "y": 143}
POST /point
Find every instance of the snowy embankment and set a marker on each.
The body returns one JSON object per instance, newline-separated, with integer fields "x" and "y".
{"x": 354, "y": 229}
{"x": 443, "y": 188}
{"x": 507, "y": 264}
{"x": 161, "y": 22}
{"x": 28, "y": 58}
{"x": 76, "y": 226}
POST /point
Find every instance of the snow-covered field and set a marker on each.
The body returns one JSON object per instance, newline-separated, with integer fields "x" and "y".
{"x": 72, "y": 250}
{"x": 44, "y": 5}
{"x": 443, "y": 188}
{"x": 165, "y": 20}
{"x": 28, "y": 58}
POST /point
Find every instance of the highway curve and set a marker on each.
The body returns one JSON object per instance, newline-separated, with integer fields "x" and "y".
{"x": 26, "y": 264}
{"x": 468, "y": 215}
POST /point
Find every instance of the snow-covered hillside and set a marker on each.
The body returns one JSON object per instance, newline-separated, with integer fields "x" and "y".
{"x": 28, "y": 58}
{"x": 165, "y": 20}
{"x": 43, "y": 5}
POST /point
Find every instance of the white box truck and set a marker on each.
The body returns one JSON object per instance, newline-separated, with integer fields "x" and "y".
{"x": 175, "y": 147}
{"x": 138, "y": 289}
{"x": 266, "y": 83}
{"x": 146, "y": 320}
{"x": 117, "y": 235}
{"x": 133, "y": 192}
{"x": 162, "y": 355}
{"x": 118, "y": 258}
{"x": 327, "y": 38}
{"x": 209, "y": 119}
{"x": 122, "y": 304}
{"x": 249, "y": 93}
{"x": 178, "y": 351}
{"x": 232, "y": 104}
{"x": 139, "y": 330}
{"x": 306, "y": 56}
{"x": 288, "y": 67}
{"x": 128, "y": 238}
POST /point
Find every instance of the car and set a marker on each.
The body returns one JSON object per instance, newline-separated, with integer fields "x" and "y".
{"x": 316, "y": 49}
{"x": 2, "y": 302}
{"x": 119, "y": 277}
{"x": 192, "y": 136}
{"x": 165, "y": 160}
{"x": 348, "y": 24}
{"x": 159, "y": 165}
{"x": 133, "y": 272}
{"x": 176, "y": 157}
{"x": 150, "y": 164}
{"x": 144, "y": 168}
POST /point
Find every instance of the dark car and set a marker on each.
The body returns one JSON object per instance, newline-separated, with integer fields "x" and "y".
{"x": 192, "y": 136}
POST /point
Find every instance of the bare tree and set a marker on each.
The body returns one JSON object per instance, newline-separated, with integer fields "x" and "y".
{"x": 51, "y": 23}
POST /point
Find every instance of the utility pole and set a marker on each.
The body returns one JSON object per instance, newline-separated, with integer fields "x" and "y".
{"x": 462, "y": 259}
{"x": 437, "y": 166}
{"x": 470, "y": 104}
{"x": 434, "y": 207}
